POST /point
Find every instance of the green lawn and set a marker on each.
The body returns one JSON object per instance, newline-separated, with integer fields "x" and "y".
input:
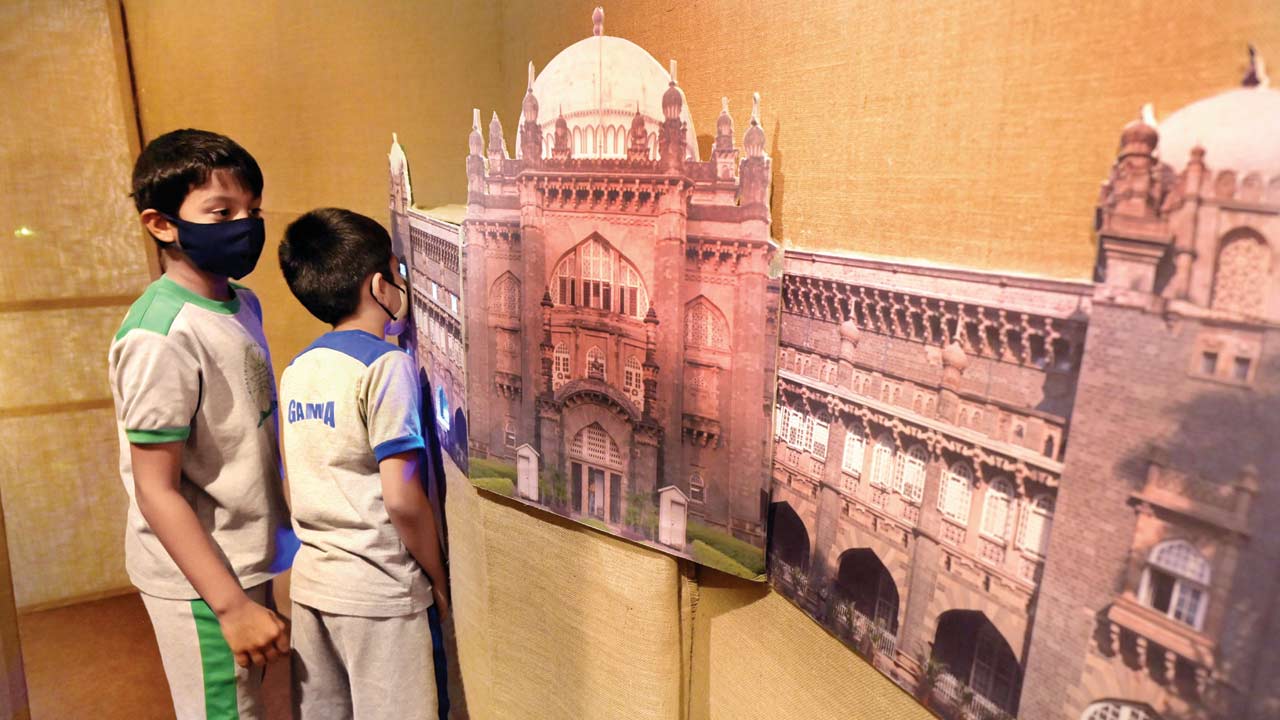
{"x": 711, "y": 557}
{"x": 743, "y": 554}
{"x": 483, "y": 468}
{"x": 500, "y": 485}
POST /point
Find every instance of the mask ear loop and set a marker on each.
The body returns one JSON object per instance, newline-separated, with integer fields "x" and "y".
{"x": 393, "y": 284}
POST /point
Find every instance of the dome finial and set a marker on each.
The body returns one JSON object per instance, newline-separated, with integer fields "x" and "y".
{"x": 1148, "y": 115}
{"x": 673, "y": 71}
{"x": 1256, "y": 75}
{"x": 597, "y": 21}
{"x": 724, "y": 104}
{"x": 755, "y": 108}
{"x": 475, "y": 119}
{"x": 530, "y": 76}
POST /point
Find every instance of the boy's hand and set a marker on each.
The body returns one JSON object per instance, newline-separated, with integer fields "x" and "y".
{"x": 255, "y": 634}
{"x": 442, "y": 602}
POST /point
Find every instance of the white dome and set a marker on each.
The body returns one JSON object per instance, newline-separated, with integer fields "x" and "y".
{"x": 1238, "y": 129}
{"x": 598, "y": 83}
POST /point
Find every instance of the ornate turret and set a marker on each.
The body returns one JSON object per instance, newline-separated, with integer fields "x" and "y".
{"x": 672, "y": 139}
{"x": 1133, "y": 209}
{"x": 650, "y": 366}
{"x": 755, "y": 170}
{"x": 638, "y": 147}
{"x": 597, "y": 21}
{"x": 530, "y": 131}
{"x": 475, "y": 160}
{"x": 563, "y": 148}
{"x": 497, "y": 145}
{"x": 724, "y": 153}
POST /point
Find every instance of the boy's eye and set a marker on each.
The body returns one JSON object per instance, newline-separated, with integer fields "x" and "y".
{"x": 222, "y": 212}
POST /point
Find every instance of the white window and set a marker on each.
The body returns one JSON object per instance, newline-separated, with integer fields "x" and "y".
{"x": 955, "y": 493}
{"x": 995, "y": 509}
{"x": 509, "y": 431}
{"x": 854, "y": 448}
{"x": 821, "y": 434}
{"x": 597, "y": 275}
{"x": 564, "y": 285}
{"x": 632, "y": 298}
{"x": 1115, "y": 710}
{"x": 435, "y": 290}
{"x": 697, "y": 491}
{"x": 453, "y": 303}
{"x": 560, "y": 366}
{"x": 704, "y": 326}
{"x": 910, "y": 480}
{"x": 1037, "y": 521}
{"x": 1176, "y": 582}
{"x": 882, "y": 456}
{"x": 633, "y": 382}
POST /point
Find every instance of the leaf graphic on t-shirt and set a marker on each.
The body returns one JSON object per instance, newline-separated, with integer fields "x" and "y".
{"x": 257, "y": 378}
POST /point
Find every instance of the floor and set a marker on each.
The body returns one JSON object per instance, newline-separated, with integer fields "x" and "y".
{"x": 99, "y": 660}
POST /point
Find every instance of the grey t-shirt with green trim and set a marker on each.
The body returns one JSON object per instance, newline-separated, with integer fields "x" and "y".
{"x": 187, "y": 368}
{"x": 348, "y": 402}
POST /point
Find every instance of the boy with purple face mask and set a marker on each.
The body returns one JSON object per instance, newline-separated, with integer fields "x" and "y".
{"x": 197, "y": 415}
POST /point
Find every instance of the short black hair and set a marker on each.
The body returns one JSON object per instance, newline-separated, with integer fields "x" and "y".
{"x": 174, "y": 163}
{"x": 326, "y": 256}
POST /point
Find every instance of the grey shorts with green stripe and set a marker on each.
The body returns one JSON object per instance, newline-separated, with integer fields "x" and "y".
{"x": 204, "y": 679}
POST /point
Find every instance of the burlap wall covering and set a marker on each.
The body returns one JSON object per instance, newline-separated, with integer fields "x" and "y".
{"x": 942, "y": 131}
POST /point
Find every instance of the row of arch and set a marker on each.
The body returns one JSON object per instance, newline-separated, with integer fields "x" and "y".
{"x": 595, "y": 141}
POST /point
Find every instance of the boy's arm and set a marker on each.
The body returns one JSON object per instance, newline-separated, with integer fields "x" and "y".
{"x": 254, "y": 633}
{"x": 414, "y": 520}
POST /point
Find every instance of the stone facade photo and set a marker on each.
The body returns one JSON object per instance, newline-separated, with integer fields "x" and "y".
{"x": 1045, "y": 499}
{"x": 620, "y": 308}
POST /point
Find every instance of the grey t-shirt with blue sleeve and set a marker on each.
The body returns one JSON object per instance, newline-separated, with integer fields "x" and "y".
{"x": 347, "y": 402}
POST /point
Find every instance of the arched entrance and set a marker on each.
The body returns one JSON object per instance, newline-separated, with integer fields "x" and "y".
{"x": 789, "y": 543}
{"x": 596, "y": 472}
{"x": 865, "y": 582}
{"x": 977, "y": 655}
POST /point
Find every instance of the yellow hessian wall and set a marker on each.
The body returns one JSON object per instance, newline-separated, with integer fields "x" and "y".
{"x": 941, "y": 130}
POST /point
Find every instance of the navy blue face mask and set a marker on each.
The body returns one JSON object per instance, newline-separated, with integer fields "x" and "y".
{"x": 230, "y": 249}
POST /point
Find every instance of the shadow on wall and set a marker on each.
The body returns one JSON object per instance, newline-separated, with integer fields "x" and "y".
{"x": 1225, "y": 441}
{"x": 779, "y": 186}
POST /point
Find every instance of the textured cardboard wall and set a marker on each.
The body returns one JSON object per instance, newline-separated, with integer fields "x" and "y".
{"x": 68, "y": 139}
{"x": 963, "y": 133}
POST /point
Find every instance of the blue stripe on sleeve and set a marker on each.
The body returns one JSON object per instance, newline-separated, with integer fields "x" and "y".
{"x": 399, "y": 445}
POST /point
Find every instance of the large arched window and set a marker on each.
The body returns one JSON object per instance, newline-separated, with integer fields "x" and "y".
{"x": 910, "y": 481}
{"x": 595, "y": 275}
{"x": 1240, "y": 280}
{"x": 1037, "y": 521}
{"x": 504, "y": 296}
{"x": 560, "y": 366}
{"x": 705, "y": 326}
{"x": 1176, "y": 582}
{"x": 956, "y": 492}
{"x": 882, "y": 462}
{"x": 1116, "y": 710}
{"x": 995, "y": 509}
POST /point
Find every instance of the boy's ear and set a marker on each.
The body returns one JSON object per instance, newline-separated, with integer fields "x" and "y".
{"x": 158, "y": 225}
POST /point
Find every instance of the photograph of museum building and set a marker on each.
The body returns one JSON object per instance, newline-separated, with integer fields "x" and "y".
{"x": 1044, "y": 499}
{"x": 430, "y": 242}
{"x": 621, "y": 308}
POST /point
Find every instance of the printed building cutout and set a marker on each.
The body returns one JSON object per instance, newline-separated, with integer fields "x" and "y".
{"x": 619, "y": 306}
{"x": 1044, "y": 499}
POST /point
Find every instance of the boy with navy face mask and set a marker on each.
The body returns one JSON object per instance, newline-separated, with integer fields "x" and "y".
{"x": 196, "y": 409}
